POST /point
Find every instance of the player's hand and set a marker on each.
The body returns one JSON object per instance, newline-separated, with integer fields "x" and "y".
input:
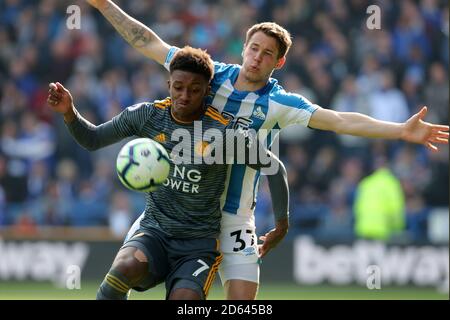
{"x": 59, "y": 98}
{"x": 418, "y": 131}
{"x": 272, "y": 238}
{"x": 97, "y": 3}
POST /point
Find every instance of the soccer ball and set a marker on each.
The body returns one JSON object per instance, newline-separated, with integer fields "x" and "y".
{"x": 143, "y": 165}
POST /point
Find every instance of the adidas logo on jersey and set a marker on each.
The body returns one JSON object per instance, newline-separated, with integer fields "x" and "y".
{"x": 160, "y": 138}
{"x": 258, "y": 113}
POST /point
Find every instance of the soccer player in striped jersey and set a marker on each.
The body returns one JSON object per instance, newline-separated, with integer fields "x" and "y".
{"x": 176, "y": 240}
{"x": 255, "y": 100}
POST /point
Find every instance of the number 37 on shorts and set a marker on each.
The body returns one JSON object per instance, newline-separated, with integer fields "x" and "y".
{"x": 240, "y": 242}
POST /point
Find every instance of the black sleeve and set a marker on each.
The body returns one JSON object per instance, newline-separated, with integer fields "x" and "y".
{"x": 279, "y": 191}
{"x": 90, "y": 136}
{"x": 128, "y": 123}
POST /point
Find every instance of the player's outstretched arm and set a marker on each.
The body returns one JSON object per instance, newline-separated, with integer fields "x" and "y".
{"x": 134, "y": 32}
{"x": 279, "y": 191}
{"x": 61, "y": 101}
{"x": 88, "y": 135}
{"x": 414, "y": 130}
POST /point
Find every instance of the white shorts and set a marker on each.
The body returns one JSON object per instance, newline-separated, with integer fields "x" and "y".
{"x": 248, "y": 272}
{"x": 239, "y": 245}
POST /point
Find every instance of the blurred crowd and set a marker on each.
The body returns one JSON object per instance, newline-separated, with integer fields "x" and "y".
{"x": 336, "y": 61}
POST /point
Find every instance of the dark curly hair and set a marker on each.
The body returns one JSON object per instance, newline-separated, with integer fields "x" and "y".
{"x": 193, "y": 60}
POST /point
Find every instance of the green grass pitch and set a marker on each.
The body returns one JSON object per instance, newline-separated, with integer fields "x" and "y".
{"x": 268, "y": 291}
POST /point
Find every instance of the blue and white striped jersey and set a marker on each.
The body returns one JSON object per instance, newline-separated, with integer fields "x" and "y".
{"x": 270, "y": 107}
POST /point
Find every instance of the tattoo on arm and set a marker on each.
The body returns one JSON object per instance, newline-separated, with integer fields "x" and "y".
{"x": 131, "y": 31}
{"x": 115, "y": 15}
{"x": 139, "y": 36}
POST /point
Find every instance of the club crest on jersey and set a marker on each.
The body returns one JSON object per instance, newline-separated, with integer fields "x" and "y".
{"x": 202, "y": 149}
{"x": 258, "y": 113}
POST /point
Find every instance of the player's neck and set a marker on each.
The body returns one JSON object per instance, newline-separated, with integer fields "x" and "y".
{"x": 186, "y": 119}
{"x": 244, "y": 84}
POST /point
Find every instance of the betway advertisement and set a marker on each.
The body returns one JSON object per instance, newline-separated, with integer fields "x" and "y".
{"x": 366, "y": 262}
{"x": 55, "y": 261}
{"x": 302, "y": 260}
{"x": 40, "y": 261}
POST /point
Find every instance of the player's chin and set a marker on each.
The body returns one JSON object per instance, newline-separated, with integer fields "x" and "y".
{"x": 182, "y": 105}
{"x": 254, "y": 76}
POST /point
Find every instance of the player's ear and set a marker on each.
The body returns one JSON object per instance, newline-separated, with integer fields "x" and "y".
{"x": 280, "y": 63}
{"x": 168, "y": 84}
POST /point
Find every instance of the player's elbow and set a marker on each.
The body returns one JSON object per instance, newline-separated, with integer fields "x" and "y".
{"x": 89, "y": 146}
{"x": 339, "y": 125}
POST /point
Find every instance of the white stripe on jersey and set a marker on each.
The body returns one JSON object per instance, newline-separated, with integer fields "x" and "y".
{"x": 221, "y": 96}
{"x": 246, "y": 198}
{"x": 289, "y": 116}
{"x": 246, "y": 201}
{"x": 247, "y": 105}
{"x": 245, "y": 110}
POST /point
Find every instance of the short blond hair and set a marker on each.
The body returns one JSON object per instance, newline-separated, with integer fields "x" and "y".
{"x": 273, "y": 30}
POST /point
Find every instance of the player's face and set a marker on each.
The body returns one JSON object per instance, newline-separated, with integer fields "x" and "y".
{"x": 260, "y": 57}
{"x": 187, "y": 90}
